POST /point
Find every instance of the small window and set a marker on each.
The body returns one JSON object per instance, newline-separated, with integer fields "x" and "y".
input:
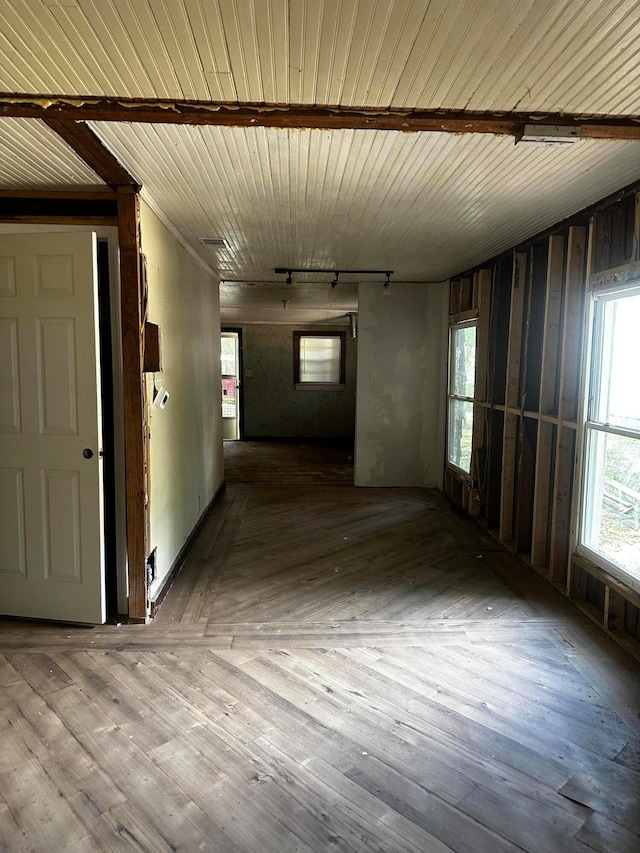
{"x": 319, "y": 360}
{"x": 462, "y": 378}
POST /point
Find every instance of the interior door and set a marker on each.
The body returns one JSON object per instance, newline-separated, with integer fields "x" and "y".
{"x": 230, "y": 366}
{"x": 51, "y": 524}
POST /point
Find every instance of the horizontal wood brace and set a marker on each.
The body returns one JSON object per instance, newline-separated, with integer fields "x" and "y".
{"x": 99, "y": 194}
{"x": 458, "y": 473}
{"x": 615, "y": 275}
{"x": 167, "y": 111}
{"x": 16, "y": 208}
{"x": 27, "y": 219}
{"x": 463, "y": 316}
{"x": 627, "y": 592}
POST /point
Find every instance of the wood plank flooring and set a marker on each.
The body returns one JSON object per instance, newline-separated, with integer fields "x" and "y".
{"x": 335, "y": 669}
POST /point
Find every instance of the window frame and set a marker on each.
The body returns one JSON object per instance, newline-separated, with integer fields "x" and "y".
{"x": 589, "y": 424}
{"x": 319, "y": 386}
{"x": 452, "y": 397}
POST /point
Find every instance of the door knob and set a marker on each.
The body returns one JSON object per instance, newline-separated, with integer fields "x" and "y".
{"x": 87, "y": 453}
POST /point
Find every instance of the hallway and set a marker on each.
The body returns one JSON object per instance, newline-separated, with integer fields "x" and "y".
{"x": 333, "y": 669}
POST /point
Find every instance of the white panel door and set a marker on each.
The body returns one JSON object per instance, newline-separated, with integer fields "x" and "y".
{"x": 51, "y": 519}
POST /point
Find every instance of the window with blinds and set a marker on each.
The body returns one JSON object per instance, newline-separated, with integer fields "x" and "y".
{"x": 319, "y": 359}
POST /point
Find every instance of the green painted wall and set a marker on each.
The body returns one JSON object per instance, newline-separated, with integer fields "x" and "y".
{"x": 272, "y": 406}
{"x": 185, "y": 450}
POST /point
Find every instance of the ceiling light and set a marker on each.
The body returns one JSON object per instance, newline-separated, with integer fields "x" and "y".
{"x": 548, "y": 134}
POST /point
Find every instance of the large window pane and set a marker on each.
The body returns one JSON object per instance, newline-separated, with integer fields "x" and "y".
{"x": 462, "y": 375}
{"x": 320, "y": 359}
{"x": 611, "y": 524}
{"x": 460, "y": 433}
{"x": 228, "y": 354}
{"x": 611, "y": 485}
{"x": 463, "y": 361}
{"x": 615, "y": 382}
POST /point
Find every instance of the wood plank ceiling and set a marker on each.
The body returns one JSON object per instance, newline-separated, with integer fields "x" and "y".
{"x": 540, "y": 55}
{"x": 32, "y": 155}
{"x": 426, "y": 205}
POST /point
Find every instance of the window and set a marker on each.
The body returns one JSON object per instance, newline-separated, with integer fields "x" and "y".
{"x": 462, "y": 372}
{"x": 610, "y": 505}
{"x": 319, "y": 360}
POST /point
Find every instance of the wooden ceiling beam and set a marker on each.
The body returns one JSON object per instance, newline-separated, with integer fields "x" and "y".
{"x": 89, "y": 148}
{"x": 66, "y": 108}
{"x": 99, "y": 194}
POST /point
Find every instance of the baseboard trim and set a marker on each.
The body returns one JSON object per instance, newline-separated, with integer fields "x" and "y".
{"x": 179, "y": 561}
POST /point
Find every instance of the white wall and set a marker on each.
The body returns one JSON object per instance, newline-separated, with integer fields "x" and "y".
{"x": 401, "y": 387}
{"x": 186, "y": 464}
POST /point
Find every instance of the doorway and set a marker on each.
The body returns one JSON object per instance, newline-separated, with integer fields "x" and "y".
{"x": 107, "y": 454}
{"x": 231, "y": 368}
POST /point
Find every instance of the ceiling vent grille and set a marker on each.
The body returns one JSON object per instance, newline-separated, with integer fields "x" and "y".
{"x": 215, "y": 242}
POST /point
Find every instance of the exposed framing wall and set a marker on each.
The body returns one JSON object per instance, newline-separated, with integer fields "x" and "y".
{"x": 529, "y": 304}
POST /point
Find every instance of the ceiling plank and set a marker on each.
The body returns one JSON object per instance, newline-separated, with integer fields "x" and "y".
{"x": 67, "y": 108}
{"x": 97, "y": 156}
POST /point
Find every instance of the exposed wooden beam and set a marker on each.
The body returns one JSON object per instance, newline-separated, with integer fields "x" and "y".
{"x": 134, "y": 412}
{"x": 74, "y": 221}
{"x": 71, "y": 108}
{"x": 90, "y": 149}
{"x": 49, "y": 207}
{"x": 99, "y": 194}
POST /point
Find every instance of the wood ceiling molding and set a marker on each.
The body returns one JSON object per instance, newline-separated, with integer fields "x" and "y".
{"x": 61, "y": 107}
{"x": 97, "y": 156}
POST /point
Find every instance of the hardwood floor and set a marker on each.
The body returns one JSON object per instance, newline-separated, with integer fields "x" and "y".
{"x": 335, "y": 669}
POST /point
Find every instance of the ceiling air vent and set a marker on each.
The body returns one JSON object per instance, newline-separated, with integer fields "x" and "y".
{"x": 215, "y": 242}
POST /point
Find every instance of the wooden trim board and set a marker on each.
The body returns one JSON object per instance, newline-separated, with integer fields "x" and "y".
{"x": 134, "y": 404}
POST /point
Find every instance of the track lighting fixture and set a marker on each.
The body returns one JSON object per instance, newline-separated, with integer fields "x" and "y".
{"x": 288, "y": 271}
